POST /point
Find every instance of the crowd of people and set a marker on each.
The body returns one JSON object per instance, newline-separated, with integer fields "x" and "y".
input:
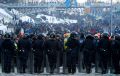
{"x": 30, "y": 52}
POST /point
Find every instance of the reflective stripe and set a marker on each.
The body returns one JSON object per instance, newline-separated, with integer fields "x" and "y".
{"x": 16, "y": 47}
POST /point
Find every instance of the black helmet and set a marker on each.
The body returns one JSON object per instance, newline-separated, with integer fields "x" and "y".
{"x": 117, "y": 37}
{"x": 52, "y": 35}
{"x": 26, "y": 36}
{"x": 40, "y": 36}
{"x": 89, "y": 37}
{"x": 73, "y": 35}
{"x": 82, "y": 35}
{"x": 105, "y": 35}
{"x": 31, "y": 35}
{"x": 7, "y": 35}
{"x": 58, "y": 35}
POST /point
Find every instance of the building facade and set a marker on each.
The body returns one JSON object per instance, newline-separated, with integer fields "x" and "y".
{"x": 8, "y": 1}
{"x": 91, "y": 1}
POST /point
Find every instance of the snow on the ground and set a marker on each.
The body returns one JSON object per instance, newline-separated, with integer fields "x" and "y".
{"x": 3, "y": 12}
{"x": 53, "y": 19}
{"x": 27, "y": 18}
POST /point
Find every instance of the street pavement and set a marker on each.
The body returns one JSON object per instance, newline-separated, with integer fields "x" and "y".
{"x": 47, "y": 74}
{"x": 78, "y": 74}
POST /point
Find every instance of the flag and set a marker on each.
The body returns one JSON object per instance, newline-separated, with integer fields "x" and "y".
{"x": 67, "y": 2}
{"x": 75, "y": 2}
{"x": 70, "y": 3}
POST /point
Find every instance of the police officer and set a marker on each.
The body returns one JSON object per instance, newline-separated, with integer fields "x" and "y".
{"x": 60, "y": 53}
{"x": 88, "y": 52}
{"x": 1, "y": 40}
{"x": 72, "y": 52}
{"x": 52, "y": 47}
{"x": 60, "y": 40}
{"x": 38, "y": 47}
{"x": 104, "y": 50}
{"x": 24, "y": 47}
{"x": 8, "y": 53}
{"x": 115, "y": 51}
{"x": 96, "y": 55}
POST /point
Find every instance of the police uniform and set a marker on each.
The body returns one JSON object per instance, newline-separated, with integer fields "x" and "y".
{"x": 115, "y": 53}
{"x": 72, "y": 52}
{"x": 88, "y": 52}
{"x": 8, "y": 53}
{"x": 104, "y": 46}
{"x": 38, "y": 47}
{"x": 24, "y": 47}
{"x": 52, "y": 47}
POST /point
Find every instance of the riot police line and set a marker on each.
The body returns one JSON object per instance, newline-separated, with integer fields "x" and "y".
{"x": 33, "y": 53}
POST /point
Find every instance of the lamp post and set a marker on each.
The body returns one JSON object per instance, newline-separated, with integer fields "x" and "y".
{"x": 111, "y": 23}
